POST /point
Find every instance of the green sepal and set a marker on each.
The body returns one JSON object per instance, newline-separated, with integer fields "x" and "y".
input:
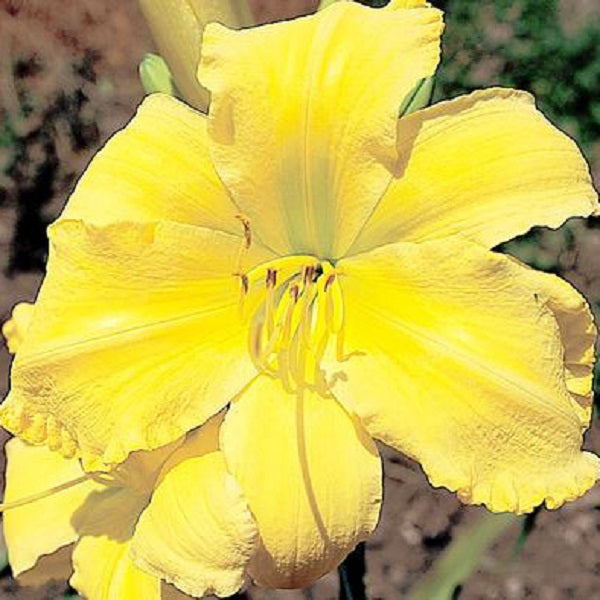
{"x": 325, "y": 3}
{"x": 156, "y": 76}
{"x": 419, "y": 97}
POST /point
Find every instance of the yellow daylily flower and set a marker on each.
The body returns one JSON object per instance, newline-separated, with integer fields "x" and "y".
{"x": 177, "y": 26}
{"x": 319, "y": 271}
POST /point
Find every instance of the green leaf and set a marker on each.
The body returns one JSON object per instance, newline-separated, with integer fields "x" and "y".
{"x": 461, "y": 557}
{"x": 156, "y": 76}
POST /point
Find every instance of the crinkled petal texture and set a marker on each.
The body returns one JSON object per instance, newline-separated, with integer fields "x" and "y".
{"x": 487, "y": 166}
{"x": 311, "y": 476}
{"x": 136, "y": 339}
{"x": 157, "y": 168}
{"x": 456, "y": 356}
{"x": 197, "y": 532}
{"x": 309, "y": 156}
{"x": 39, "y": 529}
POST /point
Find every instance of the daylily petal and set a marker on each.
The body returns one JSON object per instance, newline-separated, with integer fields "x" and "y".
{"x": 303, "y": 120}
{"x": 15, "y": 328}
{"x": 396, "y": 4}
{"x": 487, "y": 166}
{"x": 304, "y": 449}
{"x": 455, "y": 357}
{"x": 136, "y": 339}
{"x": 199, "y": 535}
{"x": 105, "y": 523}
{"x": 44, "y": 526}
{"x": 103, "y": 571}
{"x": 157, "y": 168}
{"x": 177, "y": 26}
{"x": 577, "y": 331}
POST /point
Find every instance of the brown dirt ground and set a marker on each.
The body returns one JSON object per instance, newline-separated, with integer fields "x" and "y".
{"x": 562, "y": 557}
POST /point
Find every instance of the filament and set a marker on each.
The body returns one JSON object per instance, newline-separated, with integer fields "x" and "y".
{"x": 44, "y": 494}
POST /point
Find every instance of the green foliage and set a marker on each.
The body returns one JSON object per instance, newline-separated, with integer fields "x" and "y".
{"x": 462, "y": 557}
{"x": 524, "y": 45}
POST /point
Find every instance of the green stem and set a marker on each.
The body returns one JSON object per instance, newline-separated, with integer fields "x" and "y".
{"x": 461, "y": 557}
{"x": 352, "y": 572}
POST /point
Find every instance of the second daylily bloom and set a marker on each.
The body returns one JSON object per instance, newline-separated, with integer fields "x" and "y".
{"x": 177, "y": 26}
{"x": 62, "y": 523}
{"x": 321, "y": 271}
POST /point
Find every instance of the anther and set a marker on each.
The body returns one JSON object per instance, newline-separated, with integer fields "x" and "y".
{"x": 294, "y": 292}
{"x": 271, "y": 278}
{"x": 330, "y": 279}
{"x": 245, "y": 221}
{"x": 309, "y": 272}
{"x": 270, "y": 282}
{"x": 245, "y": 283}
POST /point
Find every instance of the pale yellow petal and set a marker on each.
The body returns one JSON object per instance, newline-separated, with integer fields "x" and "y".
{"x": 454, "y": 355}
{"x": 136, "y": 339}
{"x": 44, "y": 526}
{"x": 157, "y": 168}
{"x": 577, "y": 331}
{"x": 15, "y": 328}
{"x": 197, "y": 532}
{"x": 399, "y": 4}
{"x": 311, "y": 475}
{"x": 104, "y": 571}
{"x": 177, "y": 26}
{"x": 303, "y": 120}
{"x": 487, "y": 166}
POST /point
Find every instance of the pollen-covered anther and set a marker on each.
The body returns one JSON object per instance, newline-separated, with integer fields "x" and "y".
{"x": 246, "y": 240}
{"x": 245, "y": 221}
{"x": 297, "y": 308}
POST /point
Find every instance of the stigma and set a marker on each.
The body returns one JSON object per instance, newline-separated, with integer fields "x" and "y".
{"x": 294, "y": 310}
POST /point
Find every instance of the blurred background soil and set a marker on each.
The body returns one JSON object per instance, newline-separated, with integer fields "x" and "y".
{"x": 68, "y": 80}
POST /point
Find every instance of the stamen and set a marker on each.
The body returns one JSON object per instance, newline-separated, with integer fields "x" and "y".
{"x": 297, "y": 305}
{"x": 247, "y": 230}
{"x": 337, "y": 302}
{"x": 244, "y": 288}
{"x": 289, "y": 307}
{"x": 245, "y": 283}
{"x": 270, "y": 283}
{"x": 246, "y": 242}
{"x": 255, "y": 343}
{"x": 308, "y": 275}
{"x": 330, "y": 279}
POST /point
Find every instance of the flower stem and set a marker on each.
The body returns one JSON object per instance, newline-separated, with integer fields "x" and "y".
{"x": 352, "y": 572}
